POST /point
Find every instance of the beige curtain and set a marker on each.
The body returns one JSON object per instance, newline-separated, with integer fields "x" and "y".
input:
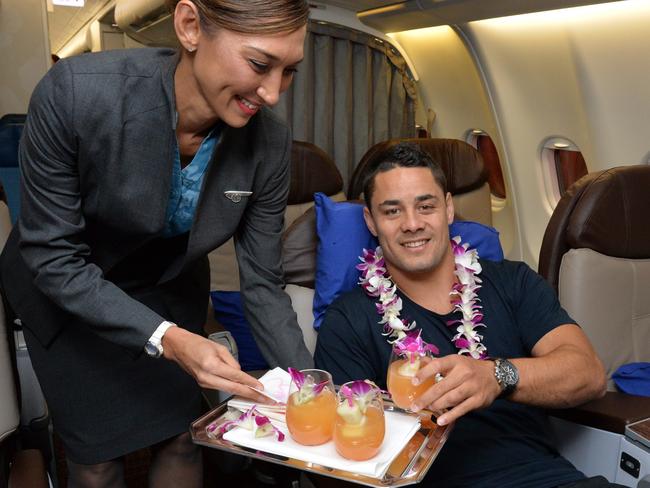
{"x": 351, "y": 91}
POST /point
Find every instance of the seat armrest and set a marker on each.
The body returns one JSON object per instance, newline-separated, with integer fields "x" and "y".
{"x": 610, "y": 413}
{"x": 28, "y": 470}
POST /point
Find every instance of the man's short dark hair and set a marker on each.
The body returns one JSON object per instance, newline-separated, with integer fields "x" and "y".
{"x": 402, "y": 155}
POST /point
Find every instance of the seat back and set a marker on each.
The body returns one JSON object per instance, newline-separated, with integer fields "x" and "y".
{"x": 299, "y": 245}
{"x": 596, "y": 254}
{"x": 462, "y": 164}
{"x": 312, "y": 170}
{"x": 11, "y": 127}
{"x": 9, "y": 414}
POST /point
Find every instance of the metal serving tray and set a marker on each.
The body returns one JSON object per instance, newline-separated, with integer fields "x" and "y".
{"x": 639, "y": 431}
{"x": 410, "y": 466}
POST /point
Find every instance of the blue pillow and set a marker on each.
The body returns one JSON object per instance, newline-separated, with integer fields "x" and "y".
{"x": 633, "y": 379}
{"x": 342, "y": 235}
{"x": 229, "y": 312}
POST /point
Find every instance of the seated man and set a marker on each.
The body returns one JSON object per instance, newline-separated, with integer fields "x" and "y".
{"x": 505, "y": 363}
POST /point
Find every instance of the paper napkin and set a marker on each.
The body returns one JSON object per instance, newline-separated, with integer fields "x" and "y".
{"x": 276, "y": 386}
{"x": 399, "y": 430}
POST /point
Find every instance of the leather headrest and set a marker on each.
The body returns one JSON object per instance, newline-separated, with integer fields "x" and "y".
{"x": 606, "y": 211}
{"x": 612, "y": 215}
{"x": 462, "y": 164}
{"x": 312, "y": 170}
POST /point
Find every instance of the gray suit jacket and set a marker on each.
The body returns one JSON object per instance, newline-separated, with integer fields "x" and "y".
{"x": 96, "y": 160}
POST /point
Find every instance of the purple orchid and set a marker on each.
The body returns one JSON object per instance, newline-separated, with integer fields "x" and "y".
{"x": 307, "y": 388}
{"x": 413, "y": 346}
{"x": 357, "y": 396}
{"x": 251, "y": 420}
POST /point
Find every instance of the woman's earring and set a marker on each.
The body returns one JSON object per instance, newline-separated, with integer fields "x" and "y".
{"x": 191, "y": 49}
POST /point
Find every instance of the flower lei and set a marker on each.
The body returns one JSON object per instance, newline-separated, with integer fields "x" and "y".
{"x": 376, "y": 283}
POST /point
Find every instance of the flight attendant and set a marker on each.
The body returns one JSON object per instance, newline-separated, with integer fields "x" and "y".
{"x": 135, "y": 165}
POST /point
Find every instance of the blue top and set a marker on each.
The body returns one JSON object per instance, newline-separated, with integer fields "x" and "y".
{"x": 186, "y": 186}
{"x": 507, "y": 444}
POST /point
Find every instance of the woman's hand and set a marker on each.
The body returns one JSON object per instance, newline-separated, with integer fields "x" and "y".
{"x": 211, "y": 364}
{"x": 468, "y": 384}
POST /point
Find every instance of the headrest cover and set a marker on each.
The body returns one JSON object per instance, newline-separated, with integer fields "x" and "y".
{"x": 462, "y": 164}
{"x": 611, "y": 216}
{"x": 312, "y": 170}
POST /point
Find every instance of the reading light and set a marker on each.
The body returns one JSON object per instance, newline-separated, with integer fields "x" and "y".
{"x": 69, "y": 3}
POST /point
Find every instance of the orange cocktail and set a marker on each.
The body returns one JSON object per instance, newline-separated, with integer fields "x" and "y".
{"x": 399, "y": 381}
{"x": 409, "y": 355}
{"x": 311, "y": 407}
{"x": 360, "y": 426}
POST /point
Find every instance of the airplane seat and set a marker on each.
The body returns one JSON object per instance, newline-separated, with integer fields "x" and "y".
{"x": 462, "y": 164}
{"x": 596, "y": 255}
{"x": 5, "y": 218}
{"x": 32, "y": 435}
{"x": 19, "y": 466}
{"x": 312, "y": 170}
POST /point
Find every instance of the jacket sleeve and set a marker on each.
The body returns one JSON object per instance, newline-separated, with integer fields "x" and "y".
{"x": 258, "y": 244}
{"x": 51, "y": 223}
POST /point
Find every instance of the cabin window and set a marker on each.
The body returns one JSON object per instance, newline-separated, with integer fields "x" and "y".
{"x": 351, "y": 91}
{"x": 570, "y": 167}
{"x": 485, "y": 146}
{"x": 563, "y": 165}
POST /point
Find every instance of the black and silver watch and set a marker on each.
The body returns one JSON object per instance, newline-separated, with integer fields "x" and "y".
{"x": 507, "y": 376}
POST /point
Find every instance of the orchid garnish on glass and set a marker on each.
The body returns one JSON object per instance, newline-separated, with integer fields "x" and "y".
{"x": 376, "y": 283}
{"x": 251, "y": 420}
{"x": 307, "y": 388}
{"x": 358, "y": 395}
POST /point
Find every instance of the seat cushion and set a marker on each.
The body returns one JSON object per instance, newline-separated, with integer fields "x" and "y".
{"x": 607, "y": 296}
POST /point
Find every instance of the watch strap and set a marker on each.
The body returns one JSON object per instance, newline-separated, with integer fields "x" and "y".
{"x": 153, "y": 347}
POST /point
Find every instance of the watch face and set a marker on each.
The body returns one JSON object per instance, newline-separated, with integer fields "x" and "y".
{"x": 152, "y": 350}
{"x": 507, "y": 375}
{"x": 510, "y": 376}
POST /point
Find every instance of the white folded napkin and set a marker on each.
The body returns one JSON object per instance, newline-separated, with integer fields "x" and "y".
{"x": 276, "y": 386}
{"x": 399, "y": 430}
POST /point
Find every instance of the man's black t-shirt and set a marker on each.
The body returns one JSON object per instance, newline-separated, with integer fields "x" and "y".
{"x": 507, "y": 444}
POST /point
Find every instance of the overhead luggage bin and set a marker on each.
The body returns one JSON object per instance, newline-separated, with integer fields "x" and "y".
{"x": 147, "y": 21}
{"x": 416, "y": 14}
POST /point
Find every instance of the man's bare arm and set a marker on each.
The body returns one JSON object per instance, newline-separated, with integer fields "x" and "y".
{"x": 563, "y": 371}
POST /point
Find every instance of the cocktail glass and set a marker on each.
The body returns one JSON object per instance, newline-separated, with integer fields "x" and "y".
{"x": 360, "y": 426}
{"x": 409, "y": 355}
{"x": 311, "y": 406}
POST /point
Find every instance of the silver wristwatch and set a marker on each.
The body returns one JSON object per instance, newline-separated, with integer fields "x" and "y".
{"x": 507, "y": 376}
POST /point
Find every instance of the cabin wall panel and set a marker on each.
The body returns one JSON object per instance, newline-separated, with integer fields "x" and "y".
{"x": 533, "y": 83}
{"x": 25, "y": 52}
{"x": 613, "y": 67}
{"x": 451, "y": 85}
{"x": 577, "y": 73}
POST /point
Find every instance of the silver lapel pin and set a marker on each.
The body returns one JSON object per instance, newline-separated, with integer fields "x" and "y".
{"x": 235, "y": 196}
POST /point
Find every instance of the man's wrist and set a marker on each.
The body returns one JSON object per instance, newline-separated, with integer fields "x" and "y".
{"x": 507, "y": 376}
{"x": 154, "y": 347}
